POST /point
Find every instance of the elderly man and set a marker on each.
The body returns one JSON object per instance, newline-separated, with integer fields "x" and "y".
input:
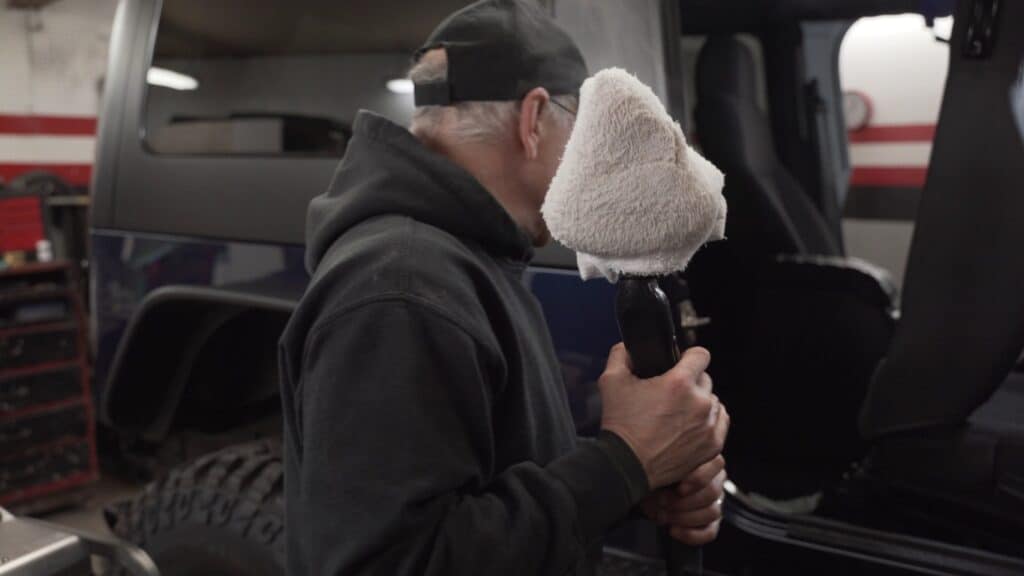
{"x": 426, "y": 426}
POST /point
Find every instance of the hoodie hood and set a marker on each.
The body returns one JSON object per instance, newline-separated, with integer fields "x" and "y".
{"x": 387, "y": 171}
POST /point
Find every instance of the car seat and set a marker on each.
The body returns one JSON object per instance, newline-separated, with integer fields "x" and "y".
{"x": 769, "y": 212}
{"x": 796, "y": 328}
{"x": 945, "y": 413}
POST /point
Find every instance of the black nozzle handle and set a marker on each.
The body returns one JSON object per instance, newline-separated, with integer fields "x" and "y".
{"x": 648, "y": 331}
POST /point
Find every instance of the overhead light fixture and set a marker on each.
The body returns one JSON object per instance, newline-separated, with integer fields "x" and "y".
{"x": 401, "y": 86}
{"x": 170, "y": 79}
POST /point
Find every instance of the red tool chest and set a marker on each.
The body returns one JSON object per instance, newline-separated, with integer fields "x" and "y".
{"x": 47, "y": 430}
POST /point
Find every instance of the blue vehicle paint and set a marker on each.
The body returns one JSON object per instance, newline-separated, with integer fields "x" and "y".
{"x": 581, "y": 318}
{"x": 128, "y": 267}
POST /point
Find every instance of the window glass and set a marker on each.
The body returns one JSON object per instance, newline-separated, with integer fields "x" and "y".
{"x": 266, "y": 77}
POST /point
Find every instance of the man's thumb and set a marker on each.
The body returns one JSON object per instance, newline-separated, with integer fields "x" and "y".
{"x": 694, "y": 362}
{"x": 618, "y": 359}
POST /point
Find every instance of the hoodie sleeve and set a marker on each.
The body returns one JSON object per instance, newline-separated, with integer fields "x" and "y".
{"x": 397, "y": 469}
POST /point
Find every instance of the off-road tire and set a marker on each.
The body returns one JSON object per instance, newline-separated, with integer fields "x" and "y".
{"x": 222, "y": 514}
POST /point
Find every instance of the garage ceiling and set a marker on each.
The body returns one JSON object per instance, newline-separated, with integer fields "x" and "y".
{"x": 225, "y": 28}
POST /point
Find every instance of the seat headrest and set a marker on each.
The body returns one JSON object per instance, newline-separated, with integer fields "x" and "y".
{"x": 726, "y": 67}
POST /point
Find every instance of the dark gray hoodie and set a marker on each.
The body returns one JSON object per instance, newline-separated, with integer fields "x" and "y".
{"x": 426, "y": 427}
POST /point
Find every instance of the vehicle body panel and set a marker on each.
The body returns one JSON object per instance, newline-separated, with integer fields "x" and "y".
{"x": 134, "y": 268}
{"x": 237, "y": 223}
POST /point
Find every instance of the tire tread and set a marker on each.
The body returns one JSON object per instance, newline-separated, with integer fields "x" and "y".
{"x": 239, "y": 488}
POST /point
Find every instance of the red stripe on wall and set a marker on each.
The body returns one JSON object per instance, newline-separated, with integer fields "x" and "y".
{"x": 49, "y": 125}
{"x": 73, "y": 174}
{"x": 894, "y": 133}
{"x": 903, "y": 177}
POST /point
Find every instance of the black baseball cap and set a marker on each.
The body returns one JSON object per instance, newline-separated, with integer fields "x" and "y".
{"x": 500, "y": 50}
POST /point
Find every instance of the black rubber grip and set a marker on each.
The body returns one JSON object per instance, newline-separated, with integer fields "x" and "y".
{"x": 645, "y": 322}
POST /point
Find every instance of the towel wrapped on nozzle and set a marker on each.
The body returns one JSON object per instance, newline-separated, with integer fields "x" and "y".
{"x": 630, "y": 196}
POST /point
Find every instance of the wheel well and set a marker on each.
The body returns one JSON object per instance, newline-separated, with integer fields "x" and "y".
{"x": 197, "y": 360}
{"x": 234, "y": 378}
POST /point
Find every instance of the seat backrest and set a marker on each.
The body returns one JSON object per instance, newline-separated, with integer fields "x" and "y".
{"x": 962, "y": 324}
{"x": 769, "y": 212}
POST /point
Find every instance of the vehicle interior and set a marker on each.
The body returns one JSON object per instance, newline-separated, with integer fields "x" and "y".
{"x": 861, "y": 412}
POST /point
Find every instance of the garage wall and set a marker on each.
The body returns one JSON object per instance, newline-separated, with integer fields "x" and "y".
{"x": 52, "y": 62}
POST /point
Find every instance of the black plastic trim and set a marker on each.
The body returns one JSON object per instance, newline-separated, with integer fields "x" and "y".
{"x": 852, "y": 274}
{"x": 108, "y": 137}
{"x": 875, "y": 546}
{"x": 157, "y": 418}
{"x": 672, "y": 57}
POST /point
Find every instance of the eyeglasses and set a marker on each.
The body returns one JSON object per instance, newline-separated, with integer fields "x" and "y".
{"x": 563, "y": 107}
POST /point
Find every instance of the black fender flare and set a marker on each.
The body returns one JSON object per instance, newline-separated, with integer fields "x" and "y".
{"x": 154, "y": 356}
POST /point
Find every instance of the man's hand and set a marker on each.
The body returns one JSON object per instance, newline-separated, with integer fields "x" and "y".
{"x": 672, "y": 422}
{"x": 692, "y": 509}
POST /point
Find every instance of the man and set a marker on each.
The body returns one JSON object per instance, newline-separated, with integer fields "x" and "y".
{"x": 426, "y": 427}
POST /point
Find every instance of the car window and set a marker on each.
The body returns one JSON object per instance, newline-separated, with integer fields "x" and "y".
{"x": 893, "y": 73}
{"x": 261, "y": 77}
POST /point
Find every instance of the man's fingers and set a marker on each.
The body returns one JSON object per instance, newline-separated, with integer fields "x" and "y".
{"x": 701, "y": 477}
{"x": 618, "y": 359}
{"x": 695, "y": 537}
{"x": 714, "y": 411}
{"x": 696, "y": 518}
{"x": 705, "y": 382}
{"x": 702, "y": 498}
{"x": 722, "y": 426}
{"x": 694, "y": 362}
{"x": 655, "y": 506}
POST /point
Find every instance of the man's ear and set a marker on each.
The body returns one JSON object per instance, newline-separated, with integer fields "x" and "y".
{"x": 530, "y": 110}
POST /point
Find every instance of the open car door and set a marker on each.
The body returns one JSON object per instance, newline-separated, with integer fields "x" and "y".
{"x": 945, "y": 410}
{"x": 963, "y": 305}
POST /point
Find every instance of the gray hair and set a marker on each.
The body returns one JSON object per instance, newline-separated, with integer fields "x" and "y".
{"x": 472, "y": 121}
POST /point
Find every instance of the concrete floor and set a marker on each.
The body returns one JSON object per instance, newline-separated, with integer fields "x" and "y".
{"x": 88, "y": 515}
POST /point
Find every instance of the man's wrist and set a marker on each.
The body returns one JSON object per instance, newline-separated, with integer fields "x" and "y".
{"x": 629, "y": 444}
{"x": 606, "y": 481}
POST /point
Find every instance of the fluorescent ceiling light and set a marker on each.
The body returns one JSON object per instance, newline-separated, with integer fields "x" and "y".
{"x": 170, "y": 79}
{"x": 400, "y": 86}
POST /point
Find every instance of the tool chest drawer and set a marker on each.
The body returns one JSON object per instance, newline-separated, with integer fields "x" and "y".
{"x": 28, "y": 307}
{"x": 20, "y": 434}
{"x": 32, "y": 387}
{"x": 33, "y": 471}
{"x": 21, "y": 347}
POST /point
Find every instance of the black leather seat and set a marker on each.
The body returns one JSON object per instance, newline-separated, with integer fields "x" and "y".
{"x": 945, "y": 422}
{"x": 797, "y": 329}
{"x": 769, "y": 212}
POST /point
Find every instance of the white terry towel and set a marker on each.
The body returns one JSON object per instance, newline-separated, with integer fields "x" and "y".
{"x": 630, "y": 196}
